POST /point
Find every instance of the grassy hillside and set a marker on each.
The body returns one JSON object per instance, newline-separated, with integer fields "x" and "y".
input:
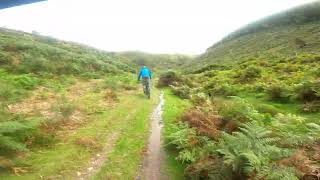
{"x": 58, "y": 101}
{"x": 278, "y": 41}
{"x": 279, "y": 36}
{"x": 26, "y": 53}
{"x": 298, "y": 15}
{"x": 256, "y": 102}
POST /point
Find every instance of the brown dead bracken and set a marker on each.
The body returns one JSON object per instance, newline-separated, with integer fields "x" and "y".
{"x": 207, "y": 123}
{"x": 88, "y": 142}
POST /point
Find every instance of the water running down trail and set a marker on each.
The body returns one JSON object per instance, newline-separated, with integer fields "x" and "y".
{"x": 152, "y": 160}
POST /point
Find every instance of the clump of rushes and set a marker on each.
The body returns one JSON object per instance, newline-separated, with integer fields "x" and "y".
{"x": 278, "y": 92}
{"x": 66, "y": 108}
{"x": 308, "y": 91}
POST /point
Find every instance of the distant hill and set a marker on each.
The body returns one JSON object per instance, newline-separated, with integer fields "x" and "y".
{"x": 159, "y": 61}
{"x": 281, "y": 35}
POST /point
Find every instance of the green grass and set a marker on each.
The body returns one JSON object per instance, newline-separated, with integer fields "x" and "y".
{"x": 173, "y": 109}
{"x": 14, "y": 89}
{"x": 285, "y": 108}
{"x": 129, "y": 116}
{"x": 124, "y": 160}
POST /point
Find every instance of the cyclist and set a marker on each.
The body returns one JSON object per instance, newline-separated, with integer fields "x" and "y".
{"x": 146, "y": 76}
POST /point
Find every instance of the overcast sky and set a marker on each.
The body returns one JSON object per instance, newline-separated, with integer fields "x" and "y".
{"x": 156, "y": 26}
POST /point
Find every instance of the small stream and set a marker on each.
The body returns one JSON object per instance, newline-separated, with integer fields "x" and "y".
{"x": 151, "y": 164}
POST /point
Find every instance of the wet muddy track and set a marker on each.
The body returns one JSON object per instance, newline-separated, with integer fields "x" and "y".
{"x": 152, "y": 160}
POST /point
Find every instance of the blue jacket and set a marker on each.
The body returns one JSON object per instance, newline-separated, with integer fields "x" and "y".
{"x": 144, "y": 72}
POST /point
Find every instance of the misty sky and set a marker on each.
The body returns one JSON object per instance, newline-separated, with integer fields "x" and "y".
{"x": 156, "y": 26}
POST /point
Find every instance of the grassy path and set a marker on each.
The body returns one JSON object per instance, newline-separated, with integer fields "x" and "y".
{"x": 173, "y": 109}
{"x": 124, "y": 159}
{"x": 128, "y": 119}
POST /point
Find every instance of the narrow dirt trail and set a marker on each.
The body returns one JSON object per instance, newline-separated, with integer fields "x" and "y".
{"x": 152, "y": 160}
{"x": 96, "y": 162}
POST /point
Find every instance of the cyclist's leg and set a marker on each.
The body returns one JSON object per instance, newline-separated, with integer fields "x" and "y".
{"x": 144, "y": 85}
{"x": 148, "y": 88}
{"x": 144, "y": 89}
